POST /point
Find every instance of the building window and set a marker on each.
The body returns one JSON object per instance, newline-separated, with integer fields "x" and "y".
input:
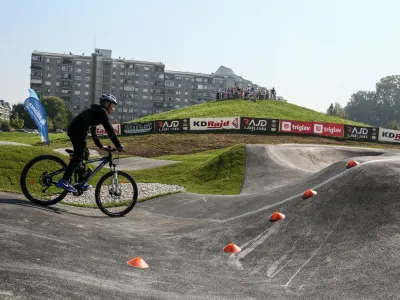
{"x": 87, "y": 78}
{"x": 86, "y": 93}
{"x": 36, "y": 58}
{"x": 57, "y": 83}
{"x": 48, "y": 75}
{"x": 77, "y": 92}
{"x": 87, "y": 85}
{"x": 145, "y": 90}
{"x": 77, "y": 77}
{"x": 186, "y": 93}
{"x": 78, "y": 70}
{"x": 177, "y": 106}
{"x": 186, "y": 100}
{"x": 87, "y": 71}
{"x": 178, "y": 92}
{"x": 47, "y": 83}
{"x": 78, "y": 62}
{"x": 146, "y": 83}
{"x": 48, "y": 68}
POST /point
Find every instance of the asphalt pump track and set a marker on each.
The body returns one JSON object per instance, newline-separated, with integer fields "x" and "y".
{"x": 342, "y": 243}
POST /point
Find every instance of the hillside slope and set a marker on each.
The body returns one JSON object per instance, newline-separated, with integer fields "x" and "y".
{"x": 272, "y": 109}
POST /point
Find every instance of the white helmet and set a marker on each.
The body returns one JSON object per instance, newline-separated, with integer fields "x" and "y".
{"x": 108, "y": 97}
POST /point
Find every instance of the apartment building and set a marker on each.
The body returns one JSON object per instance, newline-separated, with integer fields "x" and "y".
{"x": 66, "y": 76}
{"x": 141, "y": 87}
{"x": 5, "y": 110}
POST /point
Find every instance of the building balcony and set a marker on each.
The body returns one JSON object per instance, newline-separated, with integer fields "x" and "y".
{"x": 67, "y": 61}
{"x": 36, "y": 67}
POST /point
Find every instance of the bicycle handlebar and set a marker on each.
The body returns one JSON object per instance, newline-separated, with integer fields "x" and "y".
{"x": 109, "y": 149}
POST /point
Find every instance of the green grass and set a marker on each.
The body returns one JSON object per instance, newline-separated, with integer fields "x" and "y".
{"x": 215, "y": 171}
{"x": 58, "y": 140}
{"x": 210, "y": 172}
{"x": 273, "y": 109}
{"x": 18, "y": 157}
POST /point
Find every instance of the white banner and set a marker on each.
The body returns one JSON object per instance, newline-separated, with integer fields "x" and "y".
{"x": 214, "y": 123}
{"x": 389, "y": 135}
{"x": 101, "y": 131}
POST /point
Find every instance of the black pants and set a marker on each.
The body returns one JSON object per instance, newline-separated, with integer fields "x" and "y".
{"x": 81, "y": 152}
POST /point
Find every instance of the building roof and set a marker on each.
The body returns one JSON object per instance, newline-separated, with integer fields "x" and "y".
{"x": 61, "y": 55}
{"x": 183, "y": 73}
{"x": 228, "y": 72}
{"x": 143, "y": 62}
{"x": 5, "y": 104}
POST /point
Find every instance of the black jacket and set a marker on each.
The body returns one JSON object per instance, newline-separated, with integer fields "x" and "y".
{"x": 91, "y": 117}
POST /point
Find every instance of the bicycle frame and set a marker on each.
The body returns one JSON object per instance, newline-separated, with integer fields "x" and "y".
{"x": 104, "y": 160}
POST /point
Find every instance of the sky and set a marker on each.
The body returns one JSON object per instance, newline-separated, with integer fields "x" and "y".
{"x": 313, "y": 52}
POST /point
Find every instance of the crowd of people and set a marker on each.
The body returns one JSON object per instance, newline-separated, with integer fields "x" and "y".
{"x": 246, "y": 93}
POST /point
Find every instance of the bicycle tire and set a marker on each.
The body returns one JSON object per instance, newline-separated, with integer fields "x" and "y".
{"x": 23, "y": 180}
{"x": 98, "y": 189}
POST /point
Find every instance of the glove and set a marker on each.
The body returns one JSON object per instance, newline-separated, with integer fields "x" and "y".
{"x": 105, "y": 148}
{"x": 121, "y": 148}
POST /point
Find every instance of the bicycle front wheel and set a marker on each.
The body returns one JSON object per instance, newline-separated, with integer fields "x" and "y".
{"x": 116, "y": 193}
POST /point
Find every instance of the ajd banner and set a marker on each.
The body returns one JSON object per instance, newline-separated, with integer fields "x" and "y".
{"x": 38, "y": 114}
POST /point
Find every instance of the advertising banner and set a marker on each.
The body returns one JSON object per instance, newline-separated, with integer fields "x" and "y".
{"x": 38, "y": 114}
{"x": 101, "y": 131}
{"x": 259, "y": 124}
{"x": 361, "y": 133}
{"x": 132, "y": 128}
{"x": 171, "y": 125}
{"x": 328, "y": 129}
{"x": 300, "y": 127}
{"x": 389, "y": 135}
{"x": 214, "y": 123}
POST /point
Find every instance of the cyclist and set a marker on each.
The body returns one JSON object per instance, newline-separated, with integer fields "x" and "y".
{"x": 78, "y": 132}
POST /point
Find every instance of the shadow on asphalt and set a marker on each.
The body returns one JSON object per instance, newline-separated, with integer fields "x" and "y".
{"x": 54, "y": 209}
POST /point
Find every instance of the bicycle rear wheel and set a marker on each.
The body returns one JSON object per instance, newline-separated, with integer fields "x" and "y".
{"x": 116, "y": 191}
{"x": 38, "y": 179}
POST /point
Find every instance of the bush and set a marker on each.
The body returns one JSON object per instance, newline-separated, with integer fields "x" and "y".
{"x": 4, "y": 125}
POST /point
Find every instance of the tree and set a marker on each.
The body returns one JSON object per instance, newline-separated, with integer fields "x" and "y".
{"x": 363, "y": 107}
{"x": 393, "y": 125}
{"x": 4, "y": 125}
{"x": 19, "y": 109}
{"x": 56, "y": 111}
{"x": 17, "y": 122}
{"x": 70, "y": 115}
{"x": 338, "y": 111}
{"x": 50, "y": 125}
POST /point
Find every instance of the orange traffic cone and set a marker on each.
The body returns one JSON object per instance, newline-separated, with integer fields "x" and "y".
{"x": 276, "y": 216}
{"x": 232, "y": 248}
{"x": 352, "y": 163}
{"x": 138, "y": 262}
{"x": 309, "y": 194}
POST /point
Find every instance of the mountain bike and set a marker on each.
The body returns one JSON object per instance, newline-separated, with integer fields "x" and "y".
{"x": 39, "y": 179}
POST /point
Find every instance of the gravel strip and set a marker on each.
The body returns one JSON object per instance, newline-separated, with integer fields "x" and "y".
{"x": 145, "y": 190}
